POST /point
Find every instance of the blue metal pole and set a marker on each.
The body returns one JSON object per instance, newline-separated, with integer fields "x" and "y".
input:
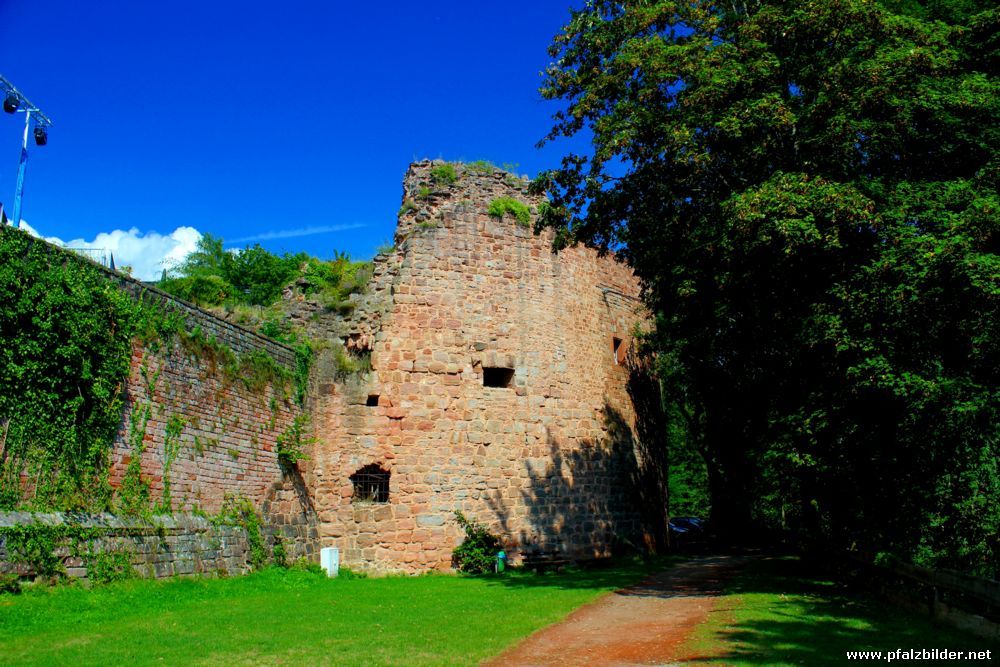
{"x": 22, "y": 165}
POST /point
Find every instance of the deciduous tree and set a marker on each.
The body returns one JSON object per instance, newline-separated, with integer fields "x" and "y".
{"x": 808, "y": 191}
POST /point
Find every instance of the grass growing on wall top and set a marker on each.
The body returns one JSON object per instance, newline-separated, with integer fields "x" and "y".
{"x": 296, "y": 617}
{"x": 503, "y": 205}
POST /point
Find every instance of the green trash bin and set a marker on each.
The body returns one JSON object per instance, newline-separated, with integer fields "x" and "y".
{"x": 501, "y": 561}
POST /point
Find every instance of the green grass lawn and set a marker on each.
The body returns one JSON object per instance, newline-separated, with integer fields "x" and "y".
{"x": 779, "y": 612}
{"x": 293, "y": 617}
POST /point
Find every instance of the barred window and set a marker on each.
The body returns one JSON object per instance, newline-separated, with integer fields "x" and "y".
{"x": 371, "y": 484}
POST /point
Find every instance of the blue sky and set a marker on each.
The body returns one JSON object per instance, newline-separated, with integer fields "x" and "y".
{"x": 253, "y": 120}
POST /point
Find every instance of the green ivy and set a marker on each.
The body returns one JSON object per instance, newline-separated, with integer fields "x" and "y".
{"x": 105, "y": 567}
{"x": 171, "y": 448}
{"x": 239, "y": 511}
{"x": 65, "y": 351}
{"x": 292, "y": 441}
{"x": 35, "y": 545}
{"x": 66, "y": 335}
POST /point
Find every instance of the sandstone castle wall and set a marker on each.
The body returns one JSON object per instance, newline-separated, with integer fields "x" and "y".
{"x": 504, "y": 383}
{"x": 555, "y": 460}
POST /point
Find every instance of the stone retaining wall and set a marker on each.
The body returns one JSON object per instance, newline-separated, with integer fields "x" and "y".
{"x": 164, "y": 546}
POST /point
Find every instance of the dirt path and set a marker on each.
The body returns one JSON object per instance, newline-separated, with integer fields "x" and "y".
{"x": 644, "y": 624}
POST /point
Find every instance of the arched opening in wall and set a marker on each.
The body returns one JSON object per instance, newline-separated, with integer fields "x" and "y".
{"x": 371, "y": 484}
{"x": 618, "y": 350}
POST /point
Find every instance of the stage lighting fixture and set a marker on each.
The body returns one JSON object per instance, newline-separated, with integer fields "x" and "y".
{"x": 41, "y": 136}
{"x": 11, "y": 103}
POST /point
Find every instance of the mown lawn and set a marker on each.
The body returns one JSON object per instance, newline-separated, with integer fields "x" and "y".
{"x": 294, "y": 617}
{"x": 781, "y": 612}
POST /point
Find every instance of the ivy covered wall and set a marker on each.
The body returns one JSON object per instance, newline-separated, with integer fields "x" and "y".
{"x": 116, "y": 397}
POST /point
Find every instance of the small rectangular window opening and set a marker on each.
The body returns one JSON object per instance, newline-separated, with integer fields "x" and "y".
{"x": 372, "y": 400}
{"x": 616, "y": 348}
{"x": 371, "y": 485}
{"x": 497, "y": 377}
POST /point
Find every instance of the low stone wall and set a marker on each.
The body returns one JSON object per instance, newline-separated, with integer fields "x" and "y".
{"x": 165, "y": 546}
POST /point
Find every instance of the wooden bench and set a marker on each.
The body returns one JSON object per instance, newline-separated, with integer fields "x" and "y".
{"x": 540, "y": 561}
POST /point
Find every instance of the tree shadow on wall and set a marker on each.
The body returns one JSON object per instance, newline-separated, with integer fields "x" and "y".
{"x": 292, "y": 480}
{"x": 598, "y": 498}
{"x": 651, "y": 446}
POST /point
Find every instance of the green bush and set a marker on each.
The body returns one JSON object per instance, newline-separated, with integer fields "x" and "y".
{"x": 305, "y": 565}
{"x": 205, "y": 290}
{"x": 10, "y": 583}
{"x": 444, "y": 174}
{"x": 290, "y": 443}
{"x": 502, "y": 205}
{"x": 477, "y": 554}
{"x": 254, "y": 276}
{"x": 65, "y": 352}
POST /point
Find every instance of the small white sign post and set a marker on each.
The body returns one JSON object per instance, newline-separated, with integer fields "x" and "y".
{"x": 329, "y": 560}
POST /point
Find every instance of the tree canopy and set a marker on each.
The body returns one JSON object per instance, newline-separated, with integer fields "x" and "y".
{"x": 808, "y": 191}
{"x": 212, "y": 275}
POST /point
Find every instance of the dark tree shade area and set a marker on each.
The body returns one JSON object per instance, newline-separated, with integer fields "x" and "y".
{"x": 809, "y": 192}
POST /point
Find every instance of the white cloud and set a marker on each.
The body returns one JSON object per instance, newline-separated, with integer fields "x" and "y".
{"x": 147, "y": 253}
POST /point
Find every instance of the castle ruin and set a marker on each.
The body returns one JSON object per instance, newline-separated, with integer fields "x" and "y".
{"x": 502, "y": 385}
{"x": 490, "y": 375}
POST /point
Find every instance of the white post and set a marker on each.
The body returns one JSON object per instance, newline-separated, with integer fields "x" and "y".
{"x": 329, "y": 560}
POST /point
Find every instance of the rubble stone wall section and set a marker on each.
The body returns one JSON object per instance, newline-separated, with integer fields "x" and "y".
{"x": 551, "y": 461}
{"x": 162, "y": 547}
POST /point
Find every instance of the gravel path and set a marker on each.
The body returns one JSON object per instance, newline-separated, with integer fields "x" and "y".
{"x": 648, "y": 623}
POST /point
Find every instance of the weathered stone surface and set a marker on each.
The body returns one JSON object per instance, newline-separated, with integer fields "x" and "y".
{"x": 164, "y": 546}
{"x": 466, "y": 293}
{"x": 551, "y": 456}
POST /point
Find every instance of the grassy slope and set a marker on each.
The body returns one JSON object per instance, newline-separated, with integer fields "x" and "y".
{"x": 776, "y": 612}
{"x": 292, "y": 617}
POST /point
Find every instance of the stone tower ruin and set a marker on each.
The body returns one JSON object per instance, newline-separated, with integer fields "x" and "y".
{"x": 504, "y": 383}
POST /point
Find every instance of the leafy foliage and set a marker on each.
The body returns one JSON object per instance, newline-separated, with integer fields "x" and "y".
{"x": 503, "y": 205}
{"x": 67, "y": 334}
{"x": 110, "y": 566}
{"x": 477, "y": 553}
{"x": 66, "y": 344}
{"x": 291, "y": 442}
{"x": 809, "y": 193}
{"x": 239, "y": 511}
{"x": 214, "y": 276}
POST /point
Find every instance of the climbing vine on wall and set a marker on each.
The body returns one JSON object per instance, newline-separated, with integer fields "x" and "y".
{"x": 65, "y": 345}
{"x": 66, "y": 334}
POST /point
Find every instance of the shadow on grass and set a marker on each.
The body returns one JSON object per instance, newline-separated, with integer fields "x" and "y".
{"x": 780, "y": 611}
{"x": 605, "y": 574}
